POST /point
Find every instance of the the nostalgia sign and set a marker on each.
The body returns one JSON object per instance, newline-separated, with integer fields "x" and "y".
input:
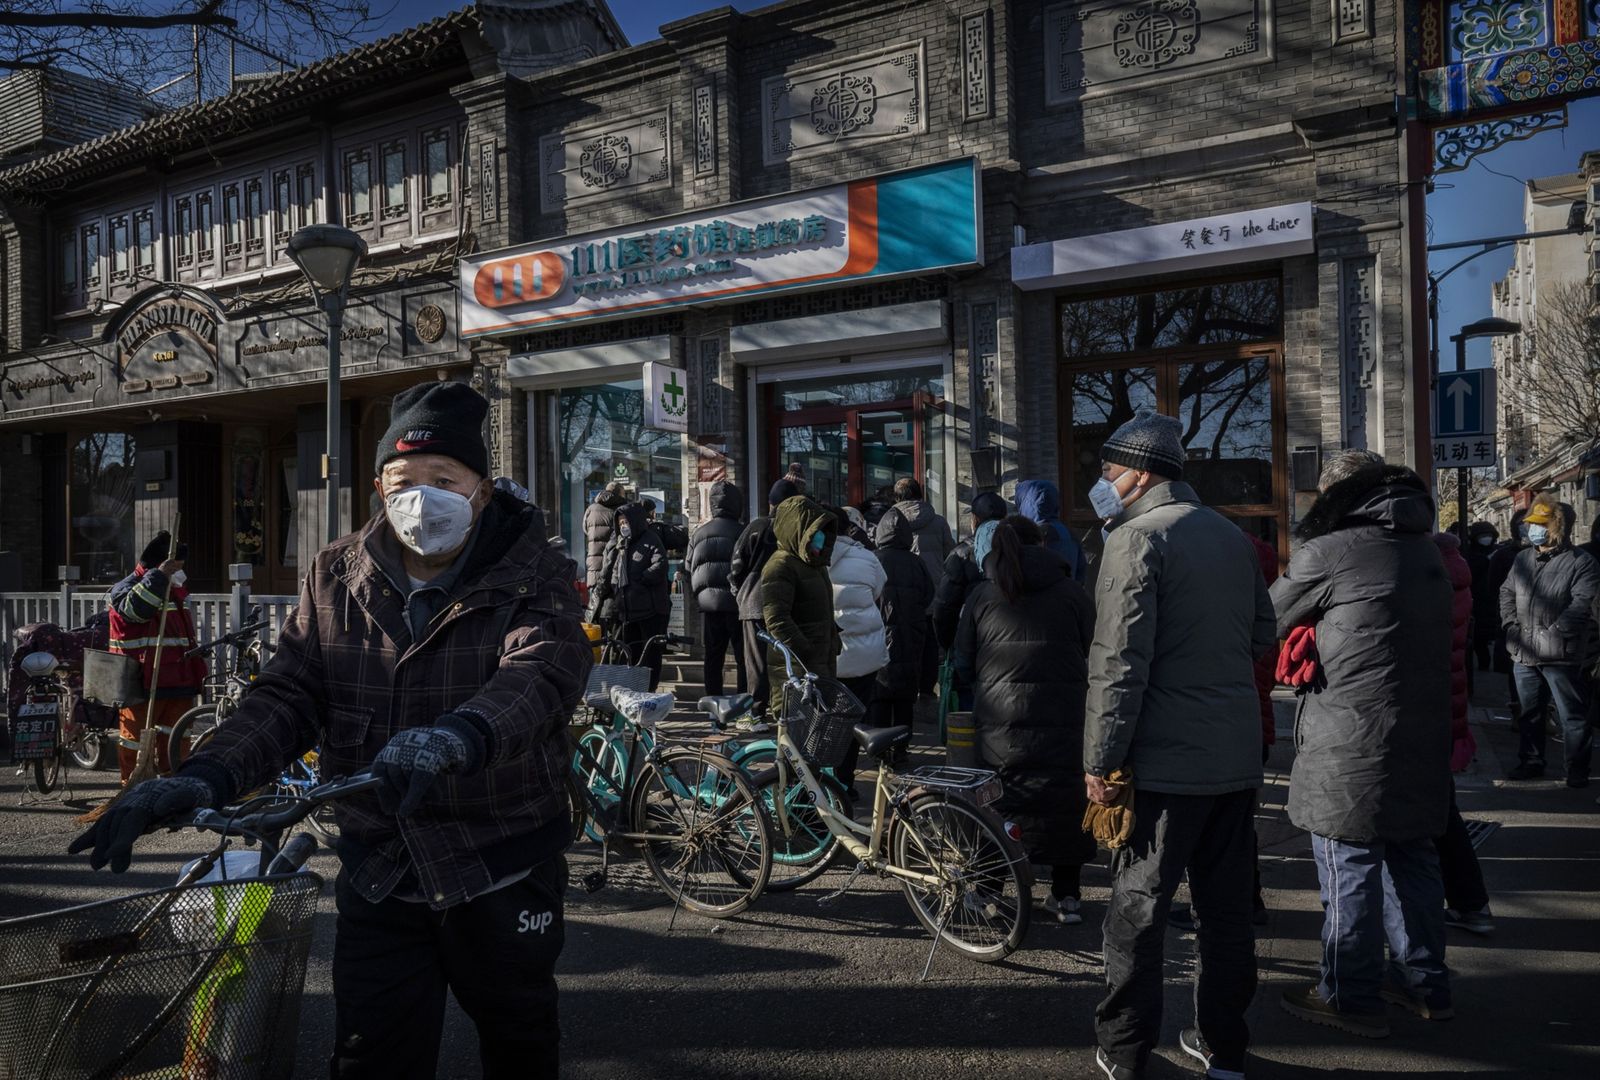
{"x": 902, "y": 223}
{"x": 666, "y": 397}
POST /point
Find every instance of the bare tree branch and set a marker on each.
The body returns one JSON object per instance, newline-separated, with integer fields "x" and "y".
{"x": 1558, "y": 384}
{"x": 207, "y": 15}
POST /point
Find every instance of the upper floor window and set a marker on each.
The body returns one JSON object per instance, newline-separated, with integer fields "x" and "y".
{"x": 204, "y": 220}
{"x": 90, "y": 251}
{"x": 144, "y": 244}
{"x": 394, "y": 180}
{"x": 67, "y": 266}
{"x": 232, "y": 220}
{"x": 306, "y": 178}
{"x": 254, "y": 215}
{"x": 358, "y": 188}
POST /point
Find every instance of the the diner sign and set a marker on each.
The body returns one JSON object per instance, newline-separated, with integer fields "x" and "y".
{"x": 908, "y": 222}
{"x": 1275, "y": 232}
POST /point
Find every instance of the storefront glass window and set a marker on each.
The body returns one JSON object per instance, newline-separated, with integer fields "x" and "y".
{"x": 867, "y": 390}
{"x": 1219, "y": 314}
{"x": 603, "y": 438}
{"x": 101, "y": 507}
{"x": 1101, "y": 402}
{"x": 1226, "y": 410}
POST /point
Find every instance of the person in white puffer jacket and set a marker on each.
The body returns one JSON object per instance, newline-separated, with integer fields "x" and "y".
{"x": 858, "y": 579}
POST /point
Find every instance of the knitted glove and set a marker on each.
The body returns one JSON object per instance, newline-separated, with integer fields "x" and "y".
{"x": 143, "y": 808}
{"x": 1112, "y": 825}
{"x": 416, "y": 757}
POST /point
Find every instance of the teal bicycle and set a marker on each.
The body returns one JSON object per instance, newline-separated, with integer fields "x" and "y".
{"x": 694, "y": 816}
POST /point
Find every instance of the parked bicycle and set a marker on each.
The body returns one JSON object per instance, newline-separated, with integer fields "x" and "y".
{"x": 962, "y": 870}
{"x": 49, "y": 725}
{"x": 202, "y": 979}
{"x": 692, "y": 813}
{"x": 225, "y": 693}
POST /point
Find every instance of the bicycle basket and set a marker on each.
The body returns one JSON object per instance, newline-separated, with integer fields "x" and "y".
{"x": 820, "y": 717}
{"x": 210, "y": 988}
{"x": 603, "y": 677}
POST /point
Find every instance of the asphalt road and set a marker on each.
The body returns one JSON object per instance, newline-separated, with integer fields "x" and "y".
{"x": 797, "y": 989}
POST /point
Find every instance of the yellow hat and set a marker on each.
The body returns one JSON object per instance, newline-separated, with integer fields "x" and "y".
{"x": 1540, "y": 513}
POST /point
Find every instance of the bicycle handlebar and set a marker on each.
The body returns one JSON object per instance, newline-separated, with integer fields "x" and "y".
{"x": 263, "y": 822}
{"x": 789, "y": 658}
{"x": 238, "y": 637}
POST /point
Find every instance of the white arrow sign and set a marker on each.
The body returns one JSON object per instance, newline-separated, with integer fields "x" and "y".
{"x": 1459, "y": 391}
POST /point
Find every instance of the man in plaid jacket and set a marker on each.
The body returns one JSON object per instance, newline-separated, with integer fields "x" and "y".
{"x": 440, "y": 647}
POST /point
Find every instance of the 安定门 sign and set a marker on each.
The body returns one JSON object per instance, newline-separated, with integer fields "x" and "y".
{"x": 666, "y": 397}
{"x": 1274, "y": 232}
{"x": 902, "y": 223}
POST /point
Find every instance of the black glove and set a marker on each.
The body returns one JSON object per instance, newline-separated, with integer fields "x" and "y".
{"x": 416, "y": 757}
{"x": 145, "y": 808}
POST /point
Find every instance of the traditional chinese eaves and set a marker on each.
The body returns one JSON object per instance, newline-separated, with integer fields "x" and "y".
{"x": 254, "y": 105}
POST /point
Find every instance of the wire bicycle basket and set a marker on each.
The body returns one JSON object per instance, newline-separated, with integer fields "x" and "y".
{"x": 820, "y": 716}
{"x": 604, "y": 677}
{"x": 208, "y": 986}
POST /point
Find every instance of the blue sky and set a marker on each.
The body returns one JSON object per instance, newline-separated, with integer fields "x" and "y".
{"x": 1466, "y": 205}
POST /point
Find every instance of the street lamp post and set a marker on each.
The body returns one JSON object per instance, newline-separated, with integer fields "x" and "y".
{"x": 1490, "y": 327}
{"x": 327, "y": 255}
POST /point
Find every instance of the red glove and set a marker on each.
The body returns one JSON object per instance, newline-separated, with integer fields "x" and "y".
{"x": 1297, "y": 660}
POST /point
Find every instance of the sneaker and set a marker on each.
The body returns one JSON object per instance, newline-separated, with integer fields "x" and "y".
{"x": 1474, "y": 922}
{"x": 1112, "y": 1069}
{"x": 1395, "y": 994}
{"x": 1068, "y": 910}
{"x": 1307, "y": 1004}
{"x": 751, "y": 725}
{"x": 1528, "y": 770}
{"x": 1192, "y": 1044}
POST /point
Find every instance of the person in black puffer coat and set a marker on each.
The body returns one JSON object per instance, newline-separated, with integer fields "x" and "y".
{"x": 599, "y": 526}
{"x": 1481, "y": 539}
{"x": 1023, "y": 645}
{"x": 905, "y": 619}
{"x": 1371, "y": 779}
{"x": 756, "y": 544}
{"x": 709, "y": 559}
{"x": 633, "y": 587}
{"x": 962, "y": 575}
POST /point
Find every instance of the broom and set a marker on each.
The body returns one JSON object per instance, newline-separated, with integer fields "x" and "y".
{"x": 145, "y": 767}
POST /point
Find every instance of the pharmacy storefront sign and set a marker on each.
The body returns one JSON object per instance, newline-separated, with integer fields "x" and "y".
{"x": 666, "y": 397}
{"x": 909, "y": 222}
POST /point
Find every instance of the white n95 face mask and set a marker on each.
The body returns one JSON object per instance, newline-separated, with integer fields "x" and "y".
{"x": 179, "y": 577}
{"x": 429, "y": 520}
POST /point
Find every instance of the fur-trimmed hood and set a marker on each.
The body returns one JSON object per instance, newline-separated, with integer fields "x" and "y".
{"x": 1391, "y": 496}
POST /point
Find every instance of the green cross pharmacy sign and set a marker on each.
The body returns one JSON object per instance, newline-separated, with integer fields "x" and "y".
{"x": 666, "y": 397}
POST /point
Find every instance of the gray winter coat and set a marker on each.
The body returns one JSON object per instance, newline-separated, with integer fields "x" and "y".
{"x": 1547, "y": 604}
{"x": 1181, "y": 613}
{"x": 710, "y": 553}
{"x": 931, "y": 538}
{"x": 1372, "y": 746}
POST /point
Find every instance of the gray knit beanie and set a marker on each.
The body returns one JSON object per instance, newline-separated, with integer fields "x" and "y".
{"x": 1149, "y": 441}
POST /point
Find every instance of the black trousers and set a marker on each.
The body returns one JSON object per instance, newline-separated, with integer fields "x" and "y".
{"x": 721, "y": 629}
{"x": 1458, "y": 864}
{"x": 393, "y": 960}
{"x": 755, "y": 664}
{"x": 1213, "y": 838}
{"x": 861, "y": 686}
{"x": 634, "y": 636}
{"x": 892, "y": 712}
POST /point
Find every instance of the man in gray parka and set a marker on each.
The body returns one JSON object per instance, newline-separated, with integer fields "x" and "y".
{"x": 1181, "y": 614}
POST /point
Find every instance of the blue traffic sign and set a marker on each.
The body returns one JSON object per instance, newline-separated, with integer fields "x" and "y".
{"x": 1463, "y": 403}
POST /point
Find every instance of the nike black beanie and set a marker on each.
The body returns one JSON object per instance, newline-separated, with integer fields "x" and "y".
{"x": 437, "y": 418}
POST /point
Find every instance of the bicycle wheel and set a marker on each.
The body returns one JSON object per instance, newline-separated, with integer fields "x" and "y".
{"x": 191, "y": 730}
{"x": 603, "y": 771}
{"x": 981, "y": 905}
{"x": 706, "y": 836}
{"x": 803, "y": 848}
{"x": 46, "y": 771}
{"x": 90, "y": 751}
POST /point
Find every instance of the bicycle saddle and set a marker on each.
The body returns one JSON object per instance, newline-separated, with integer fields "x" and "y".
{"x": 877, "y": 741}
{"x": 642, "y": 706}
{"x": 725, "y": 708}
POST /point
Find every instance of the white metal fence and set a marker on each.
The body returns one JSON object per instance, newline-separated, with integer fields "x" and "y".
{"x": 214, "y": 614}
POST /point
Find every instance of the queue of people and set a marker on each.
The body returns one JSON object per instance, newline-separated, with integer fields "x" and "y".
{"x": 441, "y": 647}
